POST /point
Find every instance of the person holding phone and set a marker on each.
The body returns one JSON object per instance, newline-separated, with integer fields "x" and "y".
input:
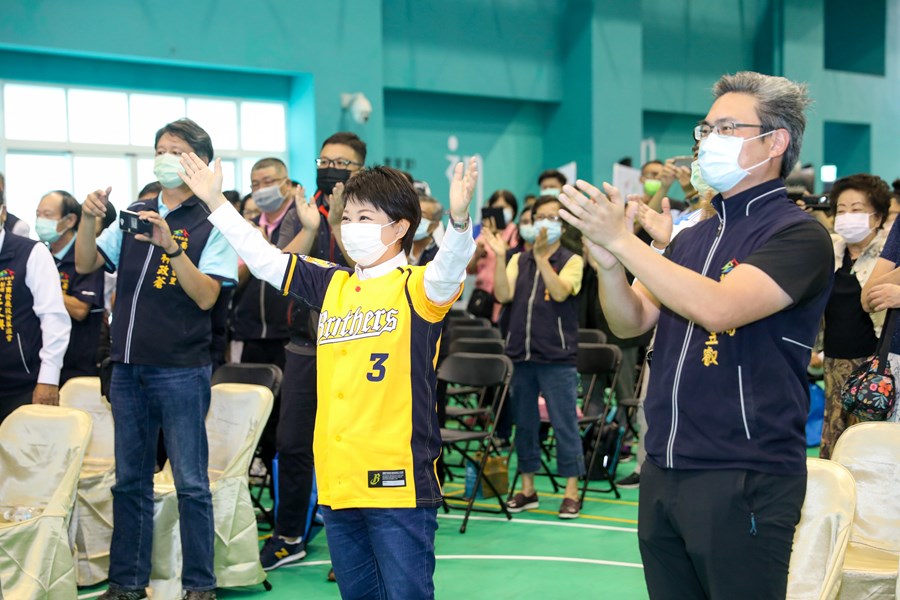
{"x": 168, "y": 282}
{"x": 484, "y": 260}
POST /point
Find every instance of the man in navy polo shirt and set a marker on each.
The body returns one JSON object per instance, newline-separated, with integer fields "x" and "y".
{"x": 167, "y": 284}
{"x": 737, "y": 300}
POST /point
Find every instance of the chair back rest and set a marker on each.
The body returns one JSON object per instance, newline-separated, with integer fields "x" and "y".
{"x": 478, "y": 345}
{"x": 821, "y": 537}
{"x": 490, "y": 333}
{"x": 596, "y": 361}
{"x": 488, "y": 371}
{"x": 237, "y": 415}
{"x": 871, "y": 452}
{"x": 83, "y": 393}
{"x": 467, "y": 322}
{"x": 264, "y": 374}
{"x": 41, "y": 451}
{"x": 591, "y": 336}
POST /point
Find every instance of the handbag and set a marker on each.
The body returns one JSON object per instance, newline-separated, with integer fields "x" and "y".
{"x": 870, "y": 391}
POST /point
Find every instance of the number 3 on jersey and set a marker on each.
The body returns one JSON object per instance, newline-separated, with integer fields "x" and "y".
{"x": 377, "y": 373}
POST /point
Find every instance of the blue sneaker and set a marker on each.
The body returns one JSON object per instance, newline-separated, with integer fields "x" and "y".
{"x": 276, "y": 552}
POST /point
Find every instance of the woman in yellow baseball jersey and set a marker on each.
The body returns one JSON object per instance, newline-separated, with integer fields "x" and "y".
{"x": 376, "y": 436}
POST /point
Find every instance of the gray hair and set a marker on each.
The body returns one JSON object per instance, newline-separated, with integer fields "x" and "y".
{"x": 434, "y": 205}
{"x": 780, "y": 104}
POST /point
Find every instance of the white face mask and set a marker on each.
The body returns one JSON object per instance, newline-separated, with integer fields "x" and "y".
{"x": 697, "y": 180}
{"x": 166, "y": 168}
{"x": 528, "y": 232}
{"x": 422, "y": 230}
{"x": 362, "y": 241}
{"x": 718, "y": 160}
{"x": 551, "y": 192}
{"x": 269, "y": 198}
{"x": 853, "y": 227}
{"x": 507, "y": 215}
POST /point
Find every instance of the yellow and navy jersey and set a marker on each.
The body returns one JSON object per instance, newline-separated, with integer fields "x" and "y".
{"x": 377, "y": 437}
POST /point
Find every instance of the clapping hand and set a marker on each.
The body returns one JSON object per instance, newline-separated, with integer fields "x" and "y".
{"x": 307, "y": 212}
{"x": 336, "y": 205}
{"x": 495, "y": 242}
{"x": 659, "y": 226}
{"x": 600, "y": 216}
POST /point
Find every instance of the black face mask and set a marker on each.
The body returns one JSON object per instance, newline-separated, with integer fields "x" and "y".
{"x": 326, "y": 179}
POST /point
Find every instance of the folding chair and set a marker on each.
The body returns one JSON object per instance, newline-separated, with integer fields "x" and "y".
{"x": 467, "y": 409}
{"x": 600, "y": 361}
{"x": 468, "y": 322}
{"x": 266, "y": 375}
{"x": 486, "y": 371}
{"x": 478, "y": 345}
{"x": 591, "y": 336}
{"x": 475, "y": 332}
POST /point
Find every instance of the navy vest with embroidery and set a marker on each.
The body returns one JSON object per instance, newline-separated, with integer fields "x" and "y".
{"x": 154, "y": 321}
{"x": 20, "y": 328}
{"x": 736, "y": 399}
{"x": 546, "y": 331}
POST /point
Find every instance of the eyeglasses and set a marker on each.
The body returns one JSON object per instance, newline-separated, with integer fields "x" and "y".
{"x": 264, "y": 183}
{"x": 554, "y": 219}
{"x": 338, "y": 163}
{"x": 725, "y": 128}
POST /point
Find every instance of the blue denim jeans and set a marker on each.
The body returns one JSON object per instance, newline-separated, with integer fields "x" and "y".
{"x": 144, "y": 400}
{"x": 559, "y": 386}
{"x": 382, "y": 553}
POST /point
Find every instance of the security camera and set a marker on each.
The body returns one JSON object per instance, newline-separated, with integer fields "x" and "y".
{"x": 359, "y": 106}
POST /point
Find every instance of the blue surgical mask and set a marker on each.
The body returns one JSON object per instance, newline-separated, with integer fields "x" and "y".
{"x": 422, "y": 230}
{"x": 46, "y": 230}
{"x": 554, "y": 229}
{"x": 528, "y": 232}
{"x": 551, "y": 192}
{"x": 698, "y": 182}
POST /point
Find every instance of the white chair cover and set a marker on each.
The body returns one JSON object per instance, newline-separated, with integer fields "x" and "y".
{"x": 237, "y": 414}
{"x": 41, "y": 451}
{"x": 93, "y": 516}
{"x": 871, "y": 452}
{"x": 823, "y": 532}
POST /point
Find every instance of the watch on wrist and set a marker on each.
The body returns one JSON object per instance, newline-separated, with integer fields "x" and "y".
{"x": 459, "y": 225}
{"x": 178, "y": 250}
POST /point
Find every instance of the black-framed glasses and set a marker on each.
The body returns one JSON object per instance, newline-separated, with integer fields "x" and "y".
{"x": 726, "y": 128}
{"x": 337, "y": 163}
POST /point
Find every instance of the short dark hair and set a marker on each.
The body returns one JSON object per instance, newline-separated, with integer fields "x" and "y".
{"x": 69, "y": 206}
{"x": 193, "y": 135}
{"x": 110, "y": 217}
{"x": 233, "y": 197}
{"x": 388, "y": 190}
{"x": 895, "y": 184}
{"x": 541, "y": 201}
{"x": 505, "y": 195}
{"x": 350, "y": 139}
{"x": 875, "y": 188}
{"x": 652, "y": 162}
{"x": 552, "y": 174}
{"x": 151, "y": 188}
{"x": 271, "y": 161}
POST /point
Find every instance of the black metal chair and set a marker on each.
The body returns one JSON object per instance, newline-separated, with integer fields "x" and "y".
{"x": 599, "y": 362}
{"x": 469, "y": 321}
{"x": 487, "y": 372}
{"x": 591, "y": 336}
{"x": 266, "y": 375}
{"x": 468, "y": 409}
{"x": 477, "y": 331}
{"x": 479, "y": 345}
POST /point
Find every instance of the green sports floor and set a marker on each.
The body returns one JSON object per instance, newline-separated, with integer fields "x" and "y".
{"x": 536, "y": 556}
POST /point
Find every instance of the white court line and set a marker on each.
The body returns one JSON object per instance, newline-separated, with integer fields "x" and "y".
{"x": 586, "y": 561}
{"x": 90, "y": 595}
{"x": 537, "y": 522}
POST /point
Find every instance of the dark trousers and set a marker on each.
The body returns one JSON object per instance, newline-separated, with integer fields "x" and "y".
{"x": 267, "y": 352}
{"x": 10, "y": 401}
{"x": 295, "y": 444}
{"x": 717, "y": 533}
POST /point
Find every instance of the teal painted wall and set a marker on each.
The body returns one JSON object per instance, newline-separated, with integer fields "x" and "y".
{"x": 532, "y": 84}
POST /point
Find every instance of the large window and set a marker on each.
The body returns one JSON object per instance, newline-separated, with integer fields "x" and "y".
{"x": 81, "y": 139}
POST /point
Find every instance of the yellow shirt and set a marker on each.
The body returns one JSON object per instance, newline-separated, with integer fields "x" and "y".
{"x": 377, "y": 438}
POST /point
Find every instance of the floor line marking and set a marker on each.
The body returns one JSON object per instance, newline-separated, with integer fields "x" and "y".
{"x": 461, "y": 487}
{"x": 539, "y": 522}
{"x": 587, "y": 561}
{"x": 90, "y": 595}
